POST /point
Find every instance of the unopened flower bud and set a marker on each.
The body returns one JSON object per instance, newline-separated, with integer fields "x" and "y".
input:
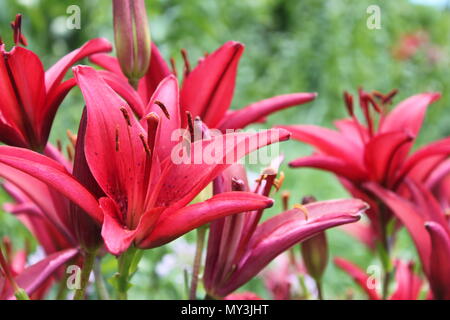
{"x": 315, "y": 255}
{"x": 132, "y": 38}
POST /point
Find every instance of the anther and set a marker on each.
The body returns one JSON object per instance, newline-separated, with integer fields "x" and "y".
{"x": 16, "y": 25}
{"x": 190, "y": 122}
{"x": 145, "y": 144}
{"x": 308, "y": 199}
{"x": 126, "y": 115}
{"x": 70, "y": 152}
{"x": 285, "y": 196}
{"x": 117, "y": 138}
{"x": 174, "y": 66}
{"x": 279, "y": 182}
{"x": 237, "y": 184}
{"x": 389, "y": 96}
{"x": 163, "y": 108}
{"x": 303, "y": 209}
{"x": 187, "y": 65}
{"x": 348, "y": 99}
{"x": 72, "y": 137}
{"x": 59, "y": 145}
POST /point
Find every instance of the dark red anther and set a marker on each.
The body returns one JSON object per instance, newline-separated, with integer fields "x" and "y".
{"x": 389, "y": 96}
{"x": 348, "y": 99}
{"x": 187, "y": 65}
{"x": 174, "y": 66}
{"x": 308, "y": 199}
{"x": 237, "y": 184}
{"x": 16, "y": 25}
{"x": 126, "y": 115}
{"x": 145, "y": 144}
{"x": 59, "y": 145}
{"x": 163, "y": 108}
{"x": 374, "y": 104}
{"x": 117, "y": 138}
{"x": 190, "y": 122}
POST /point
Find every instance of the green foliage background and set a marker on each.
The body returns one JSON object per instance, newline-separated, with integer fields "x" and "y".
{"x": 298, "y": 45}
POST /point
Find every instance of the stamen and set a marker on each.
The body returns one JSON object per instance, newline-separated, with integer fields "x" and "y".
{"x": 70, "y": 152}
{"x": 190, "y": 122}
{"x": 16, "y": 25}
{"x": 152, "y": 127}
{"x": 348, "y": 99}
{"x": 388, "y": 97}
{"x": 117, "y": 138}
{"x": 144, "y": 143}
{"x": 373, "y": 103}
{"x": 308, "y": 199}
{"x": 187, "y": 65}
{"x": 174, "y": 66}
{"x": 163, "y": 108}
{"x": 365, "y": 108}
{"x": 72, "y": 137}
{"x": 285, "y": 196}
{"x": 303, "y": 209}
{"x": 279, "y": 182}
{"x": 126, "y": 115}
{"x": 59, "y": 145}
{"x": 237, "y": 184}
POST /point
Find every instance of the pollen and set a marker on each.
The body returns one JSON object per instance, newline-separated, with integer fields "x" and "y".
{"x": 303, "y": 209}
{"x": 279, "y": 182}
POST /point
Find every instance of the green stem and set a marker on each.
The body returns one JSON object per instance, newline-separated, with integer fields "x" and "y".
{"x": 62, "y": 288}
{"x": 384, "y": 251}
{"x": 100, "y": 285}
{"x": 89, "y": 259}
{"x": 123, "y": 277}
{"x": 319, "y": 289}
{"x": 201, "y": 232}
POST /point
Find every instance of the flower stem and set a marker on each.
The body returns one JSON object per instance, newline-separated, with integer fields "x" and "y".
{"x": 201, "y": 232}
{"x": 89, "y": 259}
{"x": 125, "y": 261}
{"x": 319, "y": 289}
{"x": 100, "y": 285}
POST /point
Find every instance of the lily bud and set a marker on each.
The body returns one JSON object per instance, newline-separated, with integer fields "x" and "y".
{"x": 315, "y": 250}
{"x": 132, "y": 38}
{"x": 315, "y": 255}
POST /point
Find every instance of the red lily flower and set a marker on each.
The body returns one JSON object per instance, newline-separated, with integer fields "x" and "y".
{"x": 30, "y": 96}
{"x": 243, "y": 296}
{"x": 32, "y": 278}
{"x": 408, "y": 283}
{"x": 54, "y": 220}
{"x": 428, "y": 226}
{"x": 147, "y": 192}
{"x": 207, "y": 89}
{"x": 239, "y": 248}
{"x": 358, "y": 153}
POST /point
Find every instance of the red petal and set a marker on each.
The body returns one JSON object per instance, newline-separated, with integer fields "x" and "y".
{"x": 117, "y": 238}
{"x": 167, "y": 93}
{"x": 51, "y": 173}
{"x": 34, "y": 276}
{"x": 384, "y": 153}
{"x": 114, "y": 151}
{"x": 125, "y": 90}
{"x": 157, "y": 71}
{"x": 413, "y": 221}
{"x": 281, "y": 232}
{"x": 208, "y": 90}
{"x": 408, "y": 115}
{"x": 358, "y": 275}
{"x": 331, "y": 164}
{"x": 55, "y": 74}
{"x": 439, "y": 275}
{"x": 190, "y": 178}
{"x": 241, "y": 118}
{"x": 173, "y": 224}
{"x": 408, "y": 284}
{"x": 330, "y": 142}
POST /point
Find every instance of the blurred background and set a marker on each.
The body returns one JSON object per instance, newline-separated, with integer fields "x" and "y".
{"x": 291, "y": 46}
